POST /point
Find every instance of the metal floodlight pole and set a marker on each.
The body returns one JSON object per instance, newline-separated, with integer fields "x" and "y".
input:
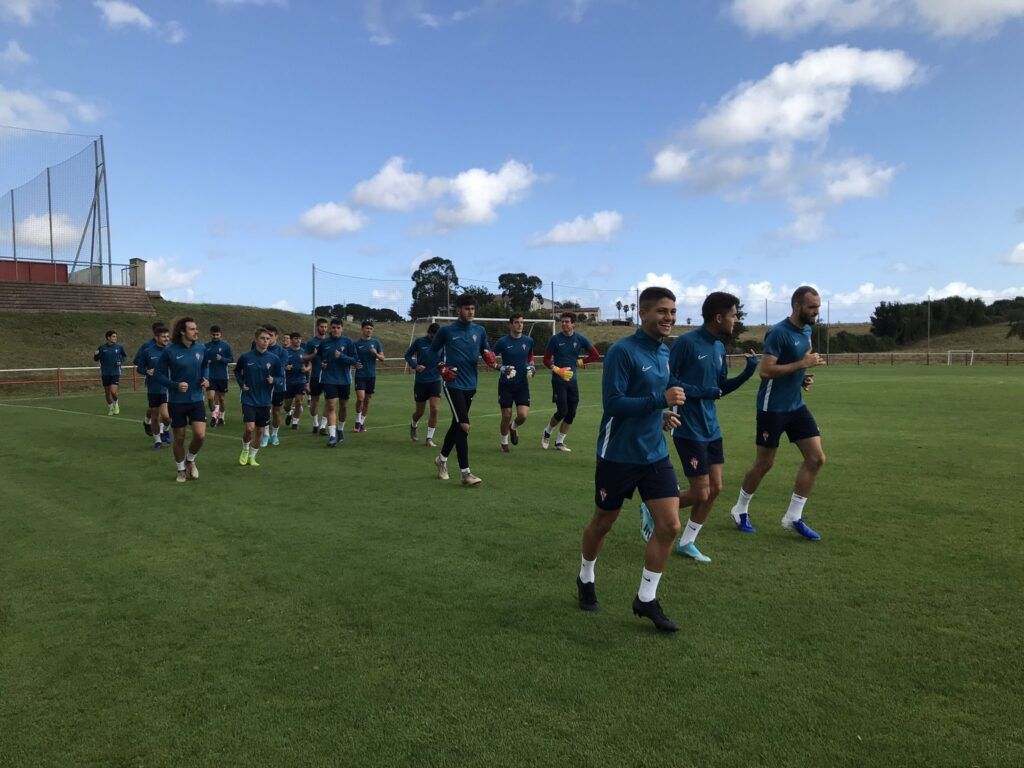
{"x": 106, "y": 199}
{"x": 828, "y": 326}
{"x": 49, "y": 211}
{"x": 552, "y": 301}
{"x": 313, "y": 268}
{"x": 766, "y": 312}
{"x": 928, "y": 347}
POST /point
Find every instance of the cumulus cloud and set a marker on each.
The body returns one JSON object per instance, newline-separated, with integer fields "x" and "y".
{"x": 947, "y": 18}
{"x": 766, "y": 139}
{"x": 23, "y": 11}
{"x": 48, "y": 111}
{"x": 283, "y": 304}
{"x": 395, "y": 189}
{"x": 959, "y": 288}
{"x": 165, "y": 275}
{"x": 118, "y": 14}
{"x": 33, "y": 231}
{"x": 602, "y": 226}
{"x": 330, "y": 220}
{"x": 376, "y": 24}
{"x": 14, "y": 55}
{"x": 478, "y": 193}
{"x": 1016, "y": 256}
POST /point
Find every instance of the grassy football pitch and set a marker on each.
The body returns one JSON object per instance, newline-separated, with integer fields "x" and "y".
{"x": 348, "y": 608}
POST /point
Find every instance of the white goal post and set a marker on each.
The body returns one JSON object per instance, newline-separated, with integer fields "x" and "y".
{"x": 956, "y": 355}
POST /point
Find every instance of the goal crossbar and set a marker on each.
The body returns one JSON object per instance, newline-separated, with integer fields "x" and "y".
{"x": 968, "y": 356}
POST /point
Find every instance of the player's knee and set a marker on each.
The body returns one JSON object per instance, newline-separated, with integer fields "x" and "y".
{"x": 713, "y": 491}
{"x": 815, "y": 462}
{"x": 669, "y": 527}
{"x": 701, "y": 493}
{"x": 763, "y": 466}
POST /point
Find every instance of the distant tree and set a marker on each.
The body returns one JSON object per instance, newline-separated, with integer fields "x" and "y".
{"x": 733, "y": 342}
{"x": 689, "y": 321}
{"x": 1016, "y": 329}
{"x": 435, "y": 282}
{"x": 618, "y": 308}
{"x": 520, "y": 288}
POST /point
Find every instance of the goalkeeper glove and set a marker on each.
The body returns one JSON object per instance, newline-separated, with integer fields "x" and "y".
{"x": 565, "y": 373}
{"x": 509, "y": 371}
{"x": 448, "y": 373}
{"x": 530, "y": 370}
{"x": 490, "y": 359}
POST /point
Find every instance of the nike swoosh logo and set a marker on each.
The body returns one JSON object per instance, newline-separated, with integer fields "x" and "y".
{"x": 179, "y": 357}
{"x": 646, "y": 579}
{"x": 647, "y": 368}
{"x": 701, "y": 357}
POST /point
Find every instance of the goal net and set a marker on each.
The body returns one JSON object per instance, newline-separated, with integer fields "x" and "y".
{"x": 960, "y": 357}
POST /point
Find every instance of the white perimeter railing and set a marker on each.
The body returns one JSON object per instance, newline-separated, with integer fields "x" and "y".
{"x": 60, "y": 377}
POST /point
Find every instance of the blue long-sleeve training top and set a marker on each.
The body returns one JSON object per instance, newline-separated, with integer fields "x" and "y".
{"x": 459, "y": 345}
{"x": 364, "y": 351}
{"x": 417, "y": 354}
{"x": 252, "y": 370}
{"x": 219, "y": 368}
{"x": 633, "y": 383}
{"x": 699, "y": 362}
{"x": 145, "y": 360}
{"x": 178, "y": 363}
{"x": 516, "y": 352}
{"x": 340, "y": 355}
{"x": 110, "y": 357}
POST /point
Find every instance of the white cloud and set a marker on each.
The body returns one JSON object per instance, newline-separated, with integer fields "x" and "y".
{"x": 240, "y": 3}
{"x": 948, "y": 18}
{"x": 1016, "y": 256}
{"x": 903, "y": 268}
{"x": 395, "y": 189}
{"x": 603, "y": 225}
{"x": 766, "y": 139}
{"x": 969, "y": 292}
{"x": 33, "y": 232}
{"x": 577, "y": 10}
{"x": 50, "y": 111}
{"x": 165, "y": 275}
{"x": 14, "y": 55}
{"x": 283, "y": 304}
{"x": 867, "y": 293}
{"x": 22, "y": 11}
{"x": 479, "y": 192}
{"x": 376, "y": 24}
{"x": 118, "y": 14}
{"x": 330, "y": 220}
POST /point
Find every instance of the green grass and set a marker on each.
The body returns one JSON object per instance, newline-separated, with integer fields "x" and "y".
{"x": 347, "y": 608}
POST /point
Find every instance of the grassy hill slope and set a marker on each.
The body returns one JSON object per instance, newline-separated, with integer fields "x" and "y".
{"x": 40, "y": 340}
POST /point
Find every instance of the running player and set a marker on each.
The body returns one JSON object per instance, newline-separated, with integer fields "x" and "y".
{"x": 698, "y": 361}
{"x": 563, "y": 355}
{"x": 315, "y": 387}
{"x": 516, "y": 351}
{"x": 110, "y": 355}
{"x": 780, "y": 408}
{"x": 219, "y": 354}
{"x": 157, "y": 413}
{"x": 426, "y": 387}
{"x": 257, "y": 372}
{"x": 335, "y": 356}
{"x": 183, "y": 370}
{"x": 280, "y": 389}
{"x": 297, "y": 377}
{"x": 369, "y": 351}
{"x": 138, "y": 360}
{"x": 636, "y": 387}
{"x": 456, "y": 347}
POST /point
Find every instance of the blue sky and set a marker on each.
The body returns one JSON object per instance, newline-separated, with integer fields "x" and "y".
{"x": 869, "y": 147}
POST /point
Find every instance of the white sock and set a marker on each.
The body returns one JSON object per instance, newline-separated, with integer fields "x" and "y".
{"x": 162, "y": 428}
{"x": 245, "y": 444}
{"x": 316, "y": 421}
{"x": 504, "y": 439}
{"x": 157, "y": 440}
{"x": 148, "y": 420}
{"x": 796, "y": 509}
{"x": 560, "y": 439}
{"x": 430, "y": 432}
{"x": 360, "y": 418}
{"x": 465, "y": 470}
{"x": 190, "y": 458}
{"x": 341, "y": 426}
{"x": 180, "y": 465}
{"x": 253, "y": 451}
{"x": 333, "y": 431}
{"x": 547, "y": 431}
{"x": 274, "y": 431}
{"x": 648, "y": 586}
{"x": 266, "y": 430}
{"x": 690, "y": 533}
{"x": 444, "y": 458}
{"x": 742, "y": 503}
{"x": 414, "y": 423}
{"x": 295, "y": 421}
{"x": 587, "y": 570}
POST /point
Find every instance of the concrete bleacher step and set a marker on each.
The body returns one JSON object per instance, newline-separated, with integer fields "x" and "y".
{"x": 67, "y": 297}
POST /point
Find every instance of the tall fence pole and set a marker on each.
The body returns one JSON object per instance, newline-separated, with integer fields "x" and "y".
{"x": 14, "y": 234}
{"x": 766, "y": 314}
{"x": 552, "y": 299}
{"x": 49, "y": 211}
{"x": 106, "y": 207}
{"x": 828, "y": 327}
{"x": 313, "y": 267}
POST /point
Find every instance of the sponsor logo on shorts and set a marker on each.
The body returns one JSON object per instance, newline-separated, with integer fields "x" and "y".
{"x": 694, "y": 462}
{"x": 603, "y": 494}
{"x": 764, "y": 436}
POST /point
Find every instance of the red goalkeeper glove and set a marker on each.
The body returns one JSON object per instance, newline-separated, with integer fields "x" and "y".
{"x": 490, "y": 359}
{"x": 448, "y": 373}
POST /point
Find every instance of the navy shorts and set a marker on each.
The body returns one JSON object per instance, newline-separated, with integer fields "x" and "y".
{"x": 367, "y": 384}
{"x": 336, "y": 391}
{"x": 798, "y": 425}
{"x": 278, "y": 397}
{"x": 697, "y": 456}
{"x": 563, "y": 393}
{"x": 513, "y": 393}
{"x": 460, "y": 400}
{"x": 218, "y": 385}
{"x": 156, "y": 399}
{"x": 183, "y": 414}
{"x": 295, "y": 390}
{"x": 423, "y": 391}
{"x": 315, "y": 389}
{"x": 256, "y": 414}
{"x": 111, "y": 381}
{"x": 615, "y": 482}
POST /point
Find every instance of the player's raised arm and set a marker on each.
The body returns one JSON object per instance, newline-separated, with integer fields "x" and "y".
{"x": 731, "y": 385}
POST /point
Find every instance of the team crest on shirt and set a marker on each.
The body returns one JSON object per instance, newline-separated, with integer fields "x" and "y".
{"x": 474, "y": 337}
{"x": 268, "y": 366}
{"x": 197, "y": 355}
